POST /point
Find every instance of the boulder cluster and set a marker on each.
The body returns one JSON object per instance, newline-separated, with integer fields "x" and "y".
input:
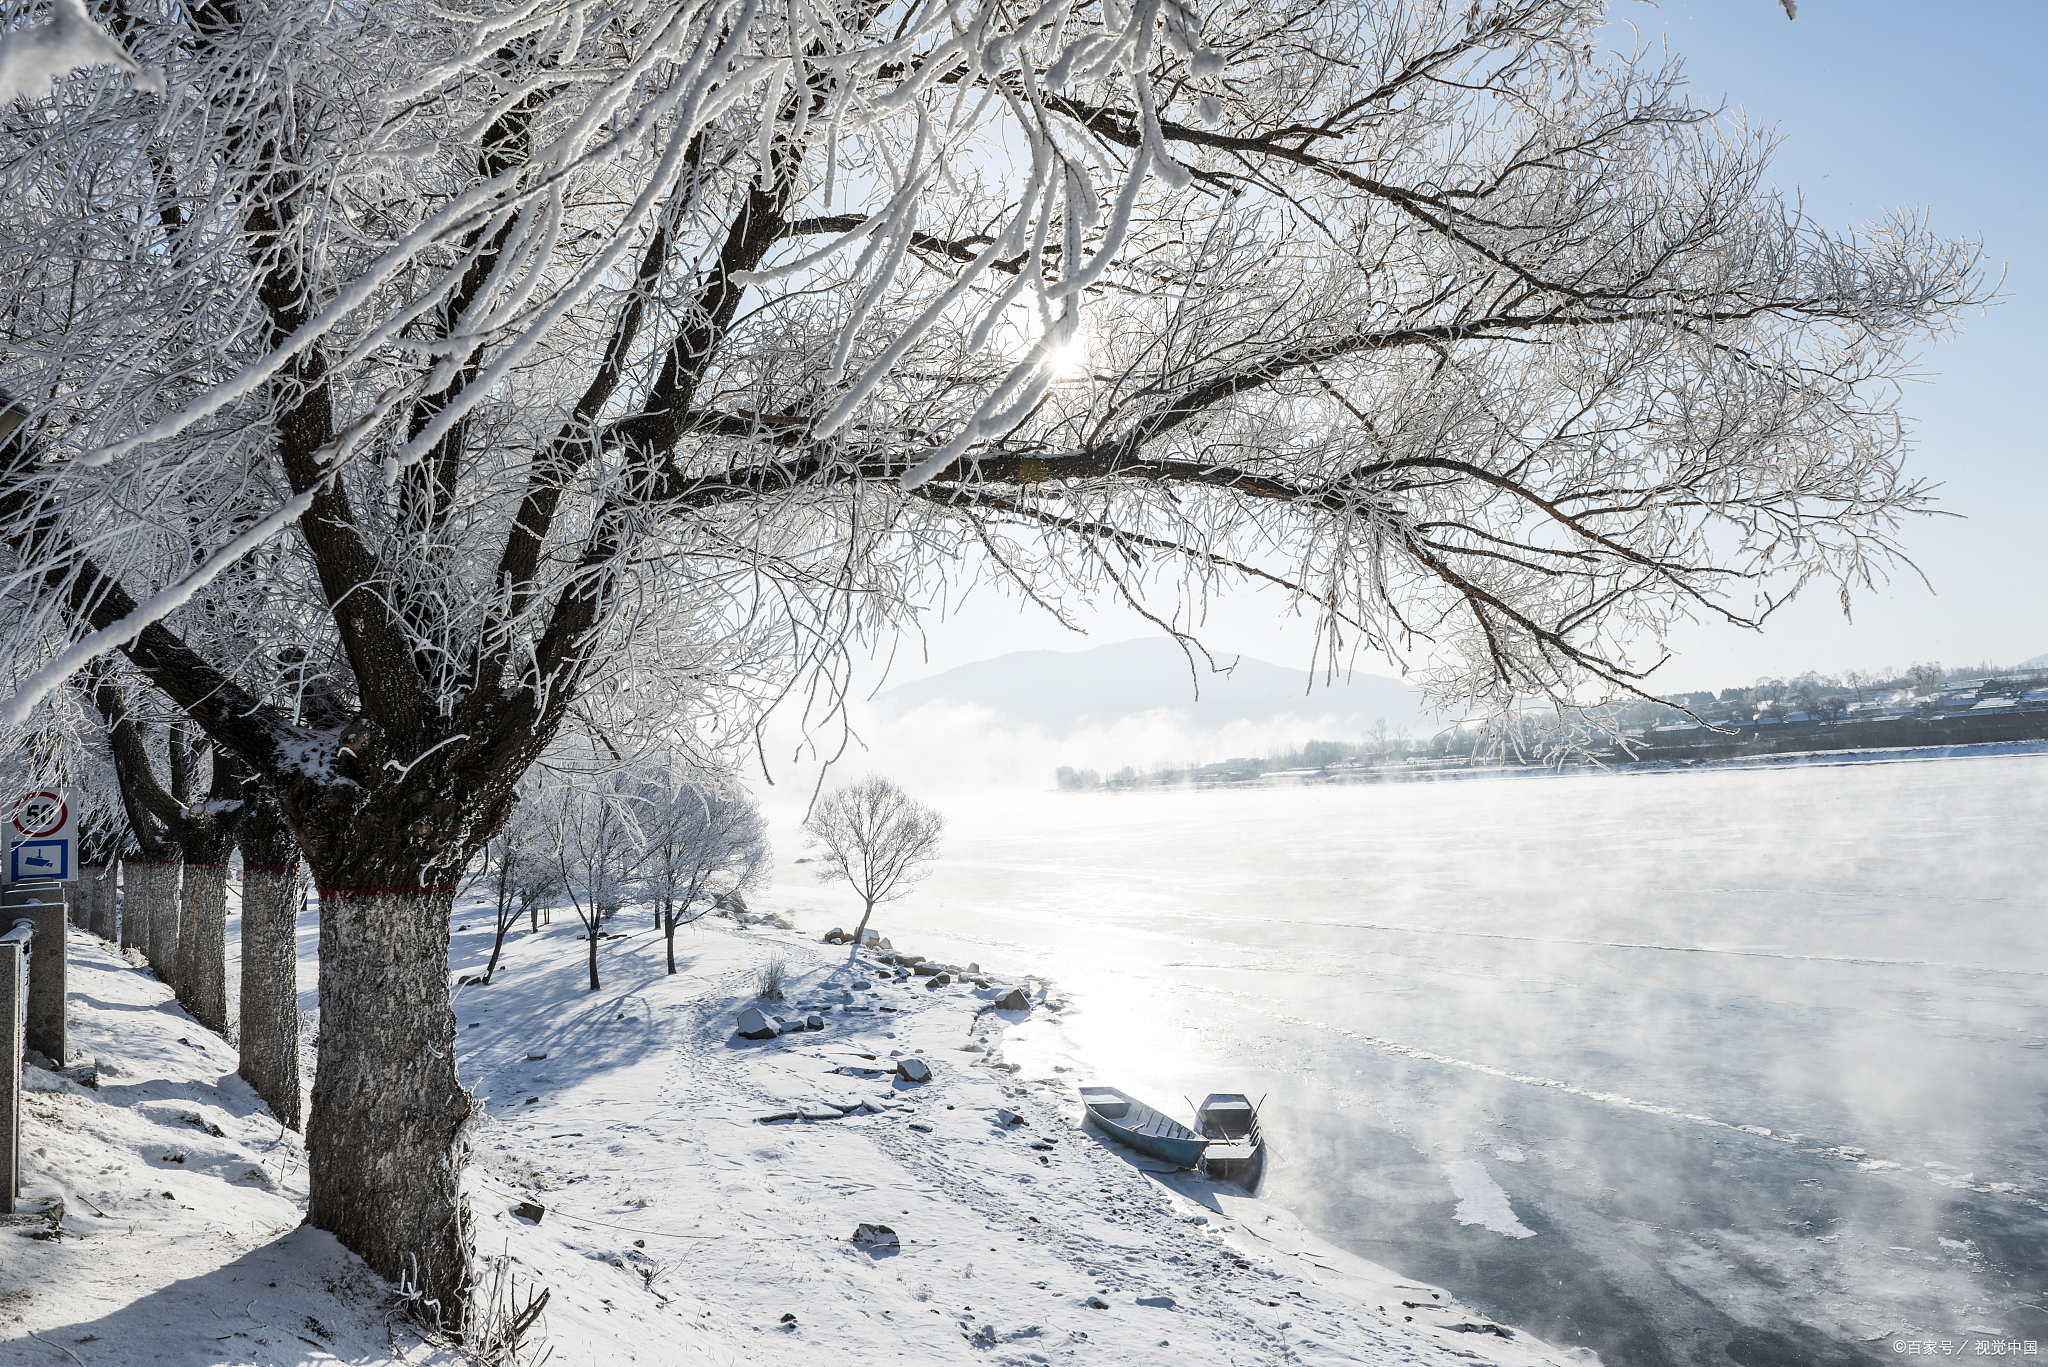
{"x": 917, "y": 966}
{"x": 758, "y": 1024}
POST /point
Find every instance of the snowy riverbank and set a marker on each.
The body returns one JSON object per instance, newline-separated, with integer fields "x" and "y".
{"x": 678, "y": 1226}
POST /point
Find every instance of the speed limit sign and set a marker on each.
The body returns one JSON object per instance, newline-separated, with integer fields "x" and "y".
{"x": 42, "y": 838}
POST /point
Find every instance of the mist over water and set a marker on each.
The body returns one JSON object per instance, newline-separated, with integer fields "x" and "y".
{"x": 1703, "y": 1067}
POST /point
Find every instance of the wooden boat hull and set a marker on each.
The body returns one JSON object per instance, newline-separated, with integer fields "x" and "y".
{"x": 1151, "y": 1133}
{"x": 1237, "y": 1147}
{"x": 1243, "y": 1170}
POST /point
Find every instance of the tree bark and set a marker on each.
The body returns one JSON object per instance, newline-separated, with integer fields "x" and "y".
{"x": 206, "y": 835}
{"x": 167, "y": 911}
{"x": 107, "y": 908}
{"x": 128, "y": 900}
{"x": 270, "y": 960}
{"x": 92, "y": 879}
{"x": 270, "y": 999}
{"x": 100, "y": 840}
{"x": 203, "y": 946}
{"x": 388, "y": 1111}
{"x": 508, "y": 916}
{"x": 152, "y": 912}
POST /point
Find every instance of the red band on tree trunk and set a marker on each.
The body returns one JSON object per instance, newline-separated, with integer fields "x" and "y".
{"x": 409, "y": 890}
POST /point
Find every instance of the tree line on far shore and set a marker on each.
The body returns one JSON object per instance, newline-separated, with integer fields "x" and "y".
{"x": 1544, "y": 736}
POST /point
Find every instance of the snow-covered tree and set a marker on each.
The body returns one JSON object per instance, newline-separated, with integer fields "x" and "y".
{"x": 641, "y": 355}
{"x": 704, "y": 836}
{"x": 182, "y": 890}
{"x": 521, "y": 872}
{"x": 271, "y": 890}
{"x": 598, "y": 847}
{"x": 876, "y": 838}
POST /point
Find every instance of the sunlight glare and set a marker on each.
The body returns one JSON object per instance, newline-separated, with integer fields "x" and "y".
{"x": 1067, "y": 362}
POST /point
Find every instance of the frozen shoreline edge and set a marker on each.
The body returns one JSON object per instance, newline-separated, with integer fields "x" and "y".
{"x": 1253, "y": 1225}
{"x": 173, "y": 1117}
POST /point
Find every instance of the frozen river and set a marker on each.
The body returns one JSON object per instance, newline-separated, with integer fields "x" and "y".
{"x": 1707, "y": 1067}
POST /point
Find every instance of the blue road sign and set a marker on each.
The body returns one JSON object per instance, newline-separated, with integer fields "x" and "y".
{"x": 33, "y": 860}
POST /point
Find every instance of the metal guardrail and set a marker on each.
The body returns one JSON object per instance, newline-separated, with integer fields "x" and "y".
{"x": 15, "y": 949}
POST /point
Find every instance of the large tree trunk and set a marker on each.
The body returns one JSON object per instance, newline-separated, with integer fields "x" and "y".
{"x": 206, "y": 837}
{"x": 92, "y": 882}
{"x": 270, "y": 960}
{"x": 387, "y": 1109}
{"x": 203, "y": 946}
{"x": 107, "y": 907}
{"x": 153, "y": 903}
{"x": 99, "y": 850}
{"x": 128, "y": 899}
{"x": 270, "y": 998}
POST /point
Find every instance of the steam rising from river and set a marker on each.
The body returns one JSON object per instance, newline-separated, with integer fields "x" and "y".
{"x": 1759, "y": 1051}
{"x": 949, "y": 749}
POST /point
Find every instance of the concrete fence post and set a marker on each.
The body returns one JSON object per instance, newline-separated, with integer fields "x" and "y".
{"x": 14, "y": 971}
{"x": 43, "y": 905}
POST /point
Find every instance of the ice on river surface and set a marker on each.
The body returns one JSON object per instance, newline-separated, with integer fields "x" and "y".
{"x": 1768, "y": 1042}
{"x": 1481, "y": 1201}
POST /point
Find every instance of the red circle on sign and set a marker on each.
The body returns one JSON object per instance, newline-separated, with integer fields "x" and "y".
{"x": 46, "y": 815}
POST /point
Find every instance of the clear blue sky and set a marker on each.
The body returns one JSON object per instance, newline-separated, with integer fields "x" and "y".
{"x": 1881, "y": 104}
{"x": 1886, "y": 103}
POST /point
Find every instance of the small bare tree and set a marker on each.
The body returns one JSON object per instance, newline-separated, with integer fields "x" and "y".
{"x": 705, "y": 839}
{"x": 521, "y": 873}
{"x": 599, "y": 851}
{"x": 876, "y": 837}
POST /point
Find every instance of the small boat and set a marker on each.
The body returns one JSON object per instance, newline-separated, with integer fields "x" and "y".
{"x": 1237, "y": 1149}
{"x": 1144, "y": 1129}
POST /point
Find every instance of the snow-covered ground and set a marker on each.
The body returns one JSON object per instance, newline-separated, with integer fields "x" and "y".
{"x": 678, "y": 1226}
{"x": 160, "y": 1210}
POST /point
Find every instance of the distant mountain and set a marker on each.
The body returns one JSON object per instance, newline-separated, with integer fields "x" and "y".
{"x": 1061, "y": 692}
{"x": 2038, "y": 662}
